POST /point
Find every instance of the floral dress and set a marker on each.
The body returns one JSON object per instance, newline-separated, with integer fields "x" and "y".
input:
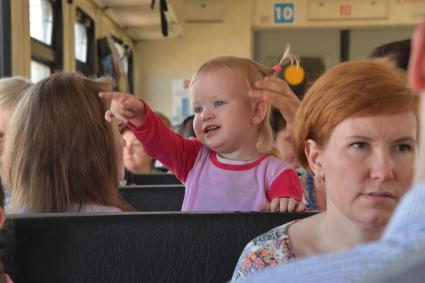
{"x": 269, "y": 249}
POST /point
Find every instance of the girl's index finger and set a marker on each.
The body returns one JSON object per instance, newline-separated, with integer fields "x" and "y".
{"x": 111, "y": 95}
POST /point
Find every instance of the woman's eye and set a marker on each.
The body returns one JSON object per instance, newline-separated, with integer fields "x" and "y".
{"x": 359, "y": 145}
{"x": 219, "y": 103}
{"x": 403, "y": 147}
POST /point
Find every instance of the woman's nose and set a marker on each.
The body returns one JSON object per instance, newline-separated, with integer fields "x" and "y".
{"x": 383, "y": 167}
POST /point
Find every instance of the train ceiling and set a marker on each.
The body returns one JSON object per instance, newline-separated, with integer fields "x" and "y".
{"x": 143, "y": 19}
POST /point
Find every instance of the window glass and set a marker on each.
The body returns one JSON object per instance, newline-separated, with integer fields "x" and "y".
{"x": 41, "y": 20}
{"x": 39, "y": 71}
{"x": 81, "y": 42}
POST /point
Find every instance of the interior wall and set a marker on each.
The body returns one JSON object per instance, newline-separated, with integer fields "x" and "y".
{"x": 161, "y": 61}
{"x": 323, "y": 43}
{"x": 364, "y": 40}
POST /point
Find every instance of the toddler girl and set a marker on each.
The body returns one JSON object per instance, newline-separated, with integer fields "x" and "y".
{"x": 229, "y": 166}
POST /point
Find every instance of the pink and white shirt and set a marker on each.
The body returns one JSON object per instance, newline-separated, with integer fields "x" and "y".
{"x": 213, "y": 183}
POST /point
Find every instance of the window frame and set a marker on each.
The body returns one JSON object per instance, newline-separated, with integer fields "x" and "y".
{"x": 51, "y": 55}
{"x": 5, "y": 39}
{"x": 90, "y": 67}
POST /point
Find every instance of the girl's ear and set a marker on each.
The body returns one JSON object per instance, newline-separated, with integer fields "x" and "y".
{"x": 259, "y": 112}
{"x": 314, "y": 157}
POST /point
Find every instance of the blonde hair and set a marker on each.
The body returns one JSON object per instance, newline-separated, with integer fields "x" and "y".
{"x": 12, "y": 90}
{"x": 250, "y": 71}
{"x": 350, "y": 89}
{"x": 59, "y": 149}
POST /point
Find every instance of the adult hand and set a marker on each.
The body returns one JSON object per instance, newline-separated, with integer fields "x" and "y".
{"x": 278, "y": 94}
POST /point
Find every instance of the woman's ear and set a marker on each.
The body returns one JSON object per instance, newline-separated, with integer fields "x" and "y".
{"x": 314, "y": 157}
{"x": 259, "y": 112}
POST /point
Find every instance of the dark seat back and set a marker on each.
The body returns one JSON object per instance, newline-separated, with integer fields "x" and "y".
{"x": 134, "y": 247}
{"x": 154, "y": 197}
{"x": 155, "y": 179}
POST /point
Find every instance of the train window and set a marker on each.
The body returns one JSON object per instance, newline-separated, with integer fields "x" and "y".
{"x": 41, "y": 20}
{"x": 85, "y": 44}
{"x": 39, "y": 71}
{"x": 80, "y": 42}
{"x": 46, "y": 37}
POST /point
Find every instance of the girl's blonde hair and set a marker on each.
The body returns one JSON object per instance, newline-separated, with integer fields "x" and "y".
{"x": 250, "y": 71}
{"x": 12, "y": 90}
{"x": 59, "y": 149}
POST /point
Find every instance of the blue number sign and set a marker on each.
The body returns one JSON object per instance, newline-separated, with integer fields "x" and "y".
{"x": 283, "y": 13}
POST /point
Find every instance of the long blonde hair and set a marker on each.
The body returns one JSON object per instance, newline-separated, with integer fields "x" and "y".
{"x": 59, "y": 150}
{"x": 12, "y": 90}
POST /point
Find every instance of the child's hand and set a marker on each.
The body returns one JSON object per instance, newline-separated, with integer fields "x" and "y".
{"x": 125, "y": 107}
{"x": 283, "y": 205}
{"x": 278, "y": 94}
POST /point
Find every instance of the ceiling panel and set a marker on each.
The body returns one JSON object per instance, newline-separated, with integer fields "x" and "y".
{"x": 137, "y": 17}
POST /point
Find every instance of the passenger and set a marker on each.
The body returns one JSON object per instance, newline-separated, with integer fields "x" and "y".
{"x": 186, "y": 128}
{"x": 136, "y": 160}
{"x": 228, "y": 168}
{"x": 405, "y": 233}
{"x": 356, "y": 129}
{"x": 313, "y": 188}
{"x": 282, "y": 138}
{"x": 397, "y": 52}
{"x": 60, "y": 154}
{"x": 11, "y": 91}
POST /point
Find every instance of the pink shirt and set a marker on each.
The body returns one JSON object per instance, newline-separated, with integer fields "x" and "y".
{"x": 213, "y": 185}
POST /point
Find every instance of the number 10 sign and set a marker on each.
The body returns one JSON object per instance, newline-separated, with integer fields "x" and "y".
{"x": 283, "y": 13}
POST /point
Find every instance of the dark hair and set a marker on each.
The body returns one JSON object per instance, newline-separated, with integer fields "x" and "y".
{"x": 186, "y": 127}
{"x": 399, "y": 51}
{"x": 277, "y": 121}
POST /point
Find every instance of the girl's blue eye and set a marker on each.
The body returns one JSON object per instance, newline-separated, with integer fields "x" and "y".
{"x": 219, "y": 103}
{"x": 197, "y": 110}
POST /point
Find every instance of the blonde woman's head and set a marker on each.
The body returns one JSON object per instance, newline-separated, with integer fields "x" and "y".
{"x": 59, "y": 150}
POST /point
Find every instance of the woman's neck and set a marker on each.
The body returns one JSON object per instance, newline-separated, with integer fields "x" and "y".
{"x": 339, "y": 233}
